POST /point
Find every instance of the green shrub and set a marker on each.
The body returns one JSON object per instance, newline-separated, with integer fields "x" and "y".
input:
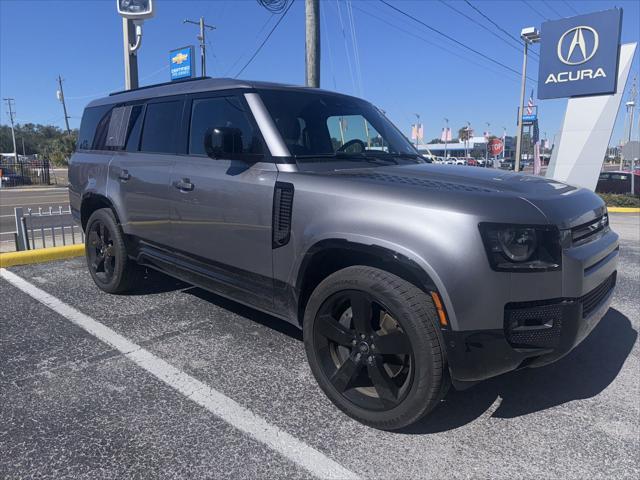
{"x": 620, "y": 200}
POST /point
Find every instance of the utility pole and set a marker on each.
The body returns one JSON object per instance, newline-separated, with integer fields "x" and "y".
{"x": 131, "y": 30}
{"x": 64, "y": 105}
{"x": 203, "y": 58}
{"x": 312, "y": 15}
{"x": 12, "y": 113}
{"x": 446, "y": 137}
{"x": 631, "y": 105}
{"x": 486, "y": 160}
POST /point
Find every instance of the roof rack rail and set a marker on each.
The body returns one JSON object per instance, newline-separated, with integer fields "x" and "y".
{"x": 159, "y": 85}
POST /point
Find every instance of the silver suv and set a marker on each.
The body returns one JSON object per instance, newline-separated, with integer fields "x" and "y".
{"x": 311, "y": 206}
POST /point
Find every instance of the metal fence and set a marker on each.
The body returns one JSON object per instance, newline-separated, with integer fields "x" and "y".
{"x": 46, "y": 228}
{"x": 27, "y": 172}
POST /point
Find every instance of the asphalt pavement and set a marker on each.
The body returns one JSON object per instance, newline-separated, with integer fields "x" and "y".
{"x": 121, "y": 401}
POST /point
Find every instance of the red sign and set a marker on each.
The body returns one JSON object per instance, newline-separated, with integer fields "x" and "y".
{"x": 495, "y": 147}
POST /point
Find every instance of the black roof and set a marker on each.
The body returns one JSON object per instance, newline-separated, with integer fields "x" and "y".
{"x": 191, "y": 86}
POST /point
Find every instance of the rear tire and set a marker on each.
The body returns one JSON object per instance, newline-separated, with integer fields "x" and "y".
{"x": 381, "y": 364}
{"x": 106, "y": 254}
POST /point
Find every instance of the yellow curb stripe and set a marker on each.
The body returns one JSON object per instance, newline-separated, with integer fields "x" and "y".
{"x": 28, "y": 257}
{"x": 624, "y": 209}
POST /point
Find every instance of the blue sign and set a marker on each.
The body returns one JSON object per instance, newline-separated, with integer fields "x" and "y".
{"x": 529, "y": 118}
{"x": 579, "y": 55}
{"x": 181, "y": 63}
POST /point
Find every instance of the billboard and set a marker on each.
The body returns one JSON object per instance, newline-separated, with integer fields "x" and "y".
{"x": 181, "y": 63}
{"x": 579, "y": 55}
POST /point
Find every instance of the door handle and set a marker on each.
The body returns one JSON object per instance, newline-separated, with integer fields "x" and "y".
{"x": 184, "y": 185}
{"x": 124, "y": 175}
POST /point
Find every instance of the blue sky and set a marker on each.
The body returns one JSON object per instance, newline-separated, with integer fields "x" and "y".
{"x": 398, "y": 65}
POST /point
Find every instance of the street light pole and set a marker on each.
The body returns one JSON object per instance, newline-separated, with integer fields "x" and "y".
{"x": 486, "y": 160}
{"x": 446, "y": 136}
{"x": 528, "y": 35}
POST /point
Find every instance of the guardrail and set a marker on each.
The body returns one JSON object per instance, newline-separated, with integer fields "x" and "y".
{"x": 45, "y": 228}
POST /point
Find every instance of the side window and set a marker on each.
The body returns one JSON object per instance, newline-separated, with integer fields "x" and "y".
{"x": 135, "y": 127}
{"x": 604, "y": 176}
{"x": 220, "y": 112}
{"x": 160, "y": 130}
{"x": 89, "y": 124}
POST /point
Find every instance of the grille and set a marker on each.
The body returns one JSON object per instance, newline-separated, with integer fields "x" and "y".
{"x": 282, "y": 211}
{"x": 584, "y": 233}
{"x": 594, "y": 298}
{"x": 537, "y": 326}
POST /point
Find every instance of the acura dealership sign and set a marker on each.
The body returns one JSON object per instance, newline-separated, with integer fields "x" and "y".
{"x": 579, "y": 55}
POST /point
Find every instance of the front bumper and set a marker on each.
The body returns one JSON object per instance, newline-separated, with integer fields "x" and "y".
{"x": 534, "y": 334}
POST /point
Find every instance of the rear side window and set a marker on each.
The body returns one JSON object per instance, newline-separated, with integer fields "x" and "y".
{"x": 219, "y": 112}
{"x": 160, "y": 130}
{"x": 90, "y": 119}
{"x": 109, "y": 127}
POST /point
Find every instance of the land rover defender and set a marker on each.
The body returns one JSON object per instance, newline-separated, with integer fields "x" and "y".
{"x": 311, "y": 206}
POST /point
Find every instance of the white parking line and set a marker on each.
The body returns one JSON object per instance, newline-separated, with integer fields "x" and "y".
{"x": 215, "y": 402}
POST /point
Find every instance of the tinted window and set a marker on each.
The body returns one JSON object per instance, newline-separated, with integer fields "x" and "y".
{"x": 135, "y": 127}
{"x": 221, "y": 112}
{"x": 160, "y": 131}
{"x": 88, "y": 125}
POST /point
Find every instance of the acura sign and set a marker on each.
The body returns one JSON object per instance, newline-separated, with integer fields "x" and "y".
{"x": 579, "y": 55}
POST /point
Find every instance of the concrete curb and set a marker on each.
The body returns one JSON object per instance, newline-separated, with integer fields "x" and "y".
{"x": 623, "y": 209}
{"x": 40, "y": 255}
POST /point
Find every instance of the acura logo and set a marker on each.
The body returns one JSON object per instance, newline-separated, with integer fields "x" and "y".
{"x": 582, "y": 47}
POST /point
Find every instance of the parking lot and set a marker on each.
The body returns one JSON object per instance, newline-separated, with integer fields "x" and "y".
{"x": 184, "y": 383}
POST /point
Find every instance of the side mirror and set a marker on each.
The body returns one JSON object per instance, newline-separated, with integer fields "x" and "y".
{"x": 223, "y": 142}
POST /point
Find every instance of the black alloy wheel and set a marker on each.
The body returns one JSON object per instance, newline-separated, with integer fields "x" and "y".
{"x": 101, "y": 252}
{"x": 363, "y": 350}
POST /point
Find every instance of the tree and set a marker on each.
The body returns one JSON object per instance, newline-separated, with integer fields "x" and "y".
{"x": 46, "y": 141}
{"x": 464, "y": 133}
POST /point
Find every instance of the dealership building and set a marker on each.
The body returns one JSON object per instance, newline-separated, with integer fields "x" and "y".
{"x": 476, "y": 147}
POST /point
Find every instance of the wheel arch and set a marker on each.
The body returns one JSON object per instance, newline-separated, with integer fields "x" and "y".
{"x": 92, "y": 202}
{"x": 330, "y": 255}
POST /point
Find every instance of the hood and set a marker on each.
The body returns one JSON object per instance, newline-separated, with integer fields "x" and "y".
{"x": 563, "y": 205}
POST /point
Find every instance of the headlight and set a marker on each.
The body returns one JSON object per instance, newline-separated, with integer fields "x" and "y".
{"x": 522, "y": 248}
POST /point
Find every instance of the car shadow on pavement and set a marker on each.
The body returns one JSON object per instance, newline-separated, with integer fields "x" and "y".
{"x": 269, "y": 321}
{"x": 582, "y": 374}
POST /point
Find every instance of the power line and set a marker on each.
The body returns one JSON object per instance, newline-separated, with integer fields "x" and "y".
{"x": 354, "y": 44}
{"x": 328, "y": 40}
{"x": 454, "y": 40}
{"x": 266, "y": 39}
{"x": 513, "y": 37}
{"x": 346, "y": 47}
{"x": 552, "y": 9}
{"x": 429, "y": 42}
{"x": 571, "y": 7}
{"x": 264, "y": 25}
{"x": 473, "y": 20}
{"x": 535, "y": 10}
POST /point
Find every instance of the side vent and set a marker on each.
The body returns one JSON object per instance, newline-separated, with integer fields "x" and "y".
{"x": 282, "y": 210}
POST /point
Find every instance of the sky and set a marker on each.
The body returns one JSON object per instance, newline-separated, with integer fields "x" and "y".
{"x": 368, "y": 50}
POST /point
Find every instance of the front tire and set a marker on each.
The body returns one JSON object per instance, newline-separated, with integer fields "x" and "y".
{"x": 106, "y": 253}
{"x": 373, "y": 347}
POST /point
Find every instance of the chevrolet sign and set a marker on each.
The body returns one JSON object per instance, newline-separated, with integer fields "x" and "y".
{"x": 579, "y": 55}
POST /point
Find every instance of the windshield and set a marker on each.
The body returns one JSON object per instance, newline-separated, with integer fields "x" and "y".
{"x": 322, "y": 126}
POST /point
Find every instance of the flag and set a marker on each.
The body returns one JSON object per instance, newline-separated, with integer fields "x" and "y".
{"x": 446, "y": 135}
{"x": 530, "y": 104}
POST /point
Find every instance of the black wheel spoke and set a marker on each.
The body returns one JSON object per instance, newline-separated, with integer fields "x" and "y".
{"x": 347, "y": 372}
{"x": 98, "y": 263}
{"x": 334, "y": 331}
{"x": 94, "y": 239}
{"x": 383, "y": 383}
{"x": 395, "y": 343}
{"x": 108, "y": 265}
{"x": 362, "y": 311}
{"x": 102, "y": 234}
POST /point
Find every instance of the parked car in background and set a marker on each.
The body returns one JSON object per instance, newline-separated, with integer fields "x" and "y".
{"x": 450, "y": 160}
{"x": 472, "y": 162}
{"x": 11, "y": 178}
{"x": 618, "y": 182}
{"x": 508, "y": 164}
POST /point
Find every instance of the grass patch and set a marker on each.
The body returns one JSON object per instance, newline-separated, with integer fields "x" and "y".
{"x": 620, "y": 200}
